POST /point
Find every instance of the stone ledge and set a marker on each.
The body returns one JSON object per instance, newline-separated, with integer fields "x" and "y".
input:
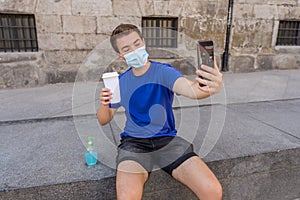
{"x": 264, "y": 176}
{"x": 12, "y": 57}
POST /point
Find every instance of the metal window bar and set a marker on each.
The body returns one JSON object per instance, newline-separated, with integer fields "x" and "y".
{"x": 18, "y": 33}
{"x": 160, "y": 31}
{"x": 288, "y": 33}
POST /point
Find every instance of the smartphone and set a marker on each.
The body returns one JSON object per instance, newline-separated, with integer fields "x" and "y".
{"x": 205, "y": 54}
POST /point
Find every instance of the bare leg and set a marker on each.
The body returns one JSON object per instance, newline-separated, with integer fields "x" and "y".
{"x": 196, "y": 175}
{"x": 131, "y": 177}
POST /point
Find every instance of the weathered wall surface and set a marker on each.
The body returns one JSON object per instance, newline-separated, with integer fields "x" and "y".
{"x": 68, "y": 30}
{"x": 254, "y": 34}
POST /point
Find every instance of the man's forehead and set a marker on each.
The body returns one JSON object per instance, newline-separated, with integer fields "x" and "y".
{"x": 127, "y": 39}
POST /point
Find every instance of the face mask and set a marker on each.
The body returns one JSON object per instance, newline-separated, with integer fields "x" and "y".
{"x": 137, "y": 58}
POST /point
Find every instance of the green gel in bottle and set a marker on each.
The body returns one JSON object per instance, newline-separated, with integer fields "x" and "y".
{"x": 91, "y": 156}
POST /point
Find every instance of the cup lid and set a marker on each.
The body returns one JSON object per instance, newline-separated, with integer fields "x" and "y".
{"x": 110, "y": 75}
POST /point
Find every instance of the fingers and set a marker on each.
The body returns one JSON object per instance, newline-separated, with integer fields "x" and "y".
{"x": 210, "y": 74}
{"x": 216, "y": 64}
{"x": 209, "y": 86}
{"x": 215, "y": 70}
{"x": 212, "y": 78}
{"x": 105, "y": 96}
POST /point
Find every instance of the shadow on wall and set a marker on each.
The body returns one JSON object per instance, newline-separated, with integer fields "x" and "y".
{"x": 185, "y": 65}
{"x": 24, "y": 70}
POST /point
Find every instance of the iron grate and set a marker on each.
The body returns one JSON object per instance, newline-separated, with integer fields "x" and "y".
{"x": 160, "y": 31}
{"x": 18, "y": 33}
{"x": 288, "y": 33}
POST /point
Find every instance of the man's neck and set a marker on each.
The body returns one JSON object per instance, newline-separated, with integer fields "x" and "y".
{"x": 141, "y": 71}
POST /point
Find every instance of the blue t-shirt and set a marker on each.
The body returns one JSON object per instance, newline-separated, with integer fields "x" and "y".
{"x": 147, "y": 100}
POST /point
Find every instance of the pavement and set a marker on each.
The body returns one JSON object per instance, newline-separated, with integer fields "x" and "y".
{"x": 250, "y": 130}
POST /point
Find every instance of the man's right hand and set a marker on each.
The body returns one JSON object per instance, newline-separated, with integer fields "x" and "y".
{"x": 105, "y": 96}
{"x": 104, "y": 113}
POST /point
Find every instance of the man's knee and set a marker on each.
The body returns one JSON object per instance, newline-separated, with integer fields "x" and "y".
{"x": 214, "y": 191}
{"x": 218, "y": 191}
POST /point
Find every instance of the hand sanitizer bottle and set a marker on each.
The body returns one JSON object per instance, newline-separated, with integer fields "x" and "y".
{"x": 91, "y": 156}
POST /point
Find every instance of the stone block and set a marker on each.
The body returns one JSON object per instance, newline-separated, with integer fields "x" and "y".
{"x": 66, "y": 74}
{"x": 126, "y": 8}
{"x": 160, "y": 53}
{"x": 21, "y": 74}
{"x": 263, "y": 35}
{"x": 211, "y": 9}
{"x": 161, "y": 7}
{"x": 267, "y": 176}
{"x": 194, "y": 27}
{"x": 286, "y": 61}
{"x": 264, "y": 62}
{"x": 239, "y": 1}
{"x": 243, "y": 11}
{"x": 282, "y": 2}
{"x": 79, "y": 24}
{"x": 21, "y": 69}
{"x": 92, "y": 7}
{"x": 255, "y": 1}
{"x": 48, "y": 23}
{"x": 241, "y": 63}
{"x": 25, "y": 6}
{"x": 252, "y": 33}
{"x": 105, "y": 25}
{"x": 194, "y": 8}
{"x": 6, "y": 78}
{"x": 147, "y": 7}
{"x": 288, "y": 12}
{"x": 287, "y": 49}
{"x": 185, "y": 66}
{"x": 51, "y": 41}
{"x": 62, "y": 7}
{"x": 66, "y": 57}
{"x": 265, "y": 11}
{"x": 19, "y": 57}
{"x": 89, "y": 41}
{"x": 222, "y": 9}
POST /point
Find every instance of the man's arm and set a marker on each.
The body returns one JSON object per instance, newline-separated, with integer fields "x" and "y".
{"x": 105, "y": 113}
{"x": 192, "y": 90}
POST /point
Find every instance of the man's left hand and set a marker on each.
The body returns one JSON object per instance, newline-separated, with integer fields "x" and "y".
{"x": 215, "y": 78}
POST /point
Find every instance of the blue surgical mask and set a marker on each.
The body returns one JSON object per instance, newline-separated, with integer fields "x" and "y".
{"x": 137, "y": 58}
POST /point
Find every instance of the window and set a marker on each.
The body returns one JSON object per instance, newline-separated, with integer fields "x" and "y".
{"x": 160, "y": 31}
{"x": 288, "y": 33}
{"x": 17, "y": 33}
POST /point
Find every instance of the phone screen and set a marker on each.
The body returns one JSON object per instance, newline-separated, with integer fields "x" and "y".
{"x": 205, "y": 54}
{"x": 205, "y": 51}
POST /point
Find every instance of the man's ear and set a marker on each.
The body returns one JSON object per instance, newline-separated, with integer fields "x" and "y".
{"x": 121, "y": 57}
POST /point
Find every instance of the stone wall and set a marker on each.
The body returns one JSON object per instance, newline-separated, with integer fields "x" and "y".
{"x": 254, "y": 34}
{"x": 68, "y": 31}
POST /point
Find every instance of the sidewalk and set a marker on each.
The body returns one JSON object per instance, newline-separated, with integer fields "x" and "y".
{"x": 257, "y": 139}
{"x": 56, "y": 100}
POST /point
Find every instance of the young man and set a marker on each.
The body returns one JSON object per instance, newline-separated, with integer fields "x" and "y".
{"x": 149, "y": 138}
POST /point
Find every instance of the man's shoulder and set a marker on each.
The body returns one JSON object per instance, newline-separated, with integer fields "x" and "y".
{"x": 125, "y": 73}
{"x": 160, "y": 64}
{"x": 165, "y": 68}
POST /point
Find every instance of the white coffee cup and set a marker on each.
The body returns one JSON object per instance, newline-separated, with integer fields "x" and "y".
{"x": 111, "y": 81}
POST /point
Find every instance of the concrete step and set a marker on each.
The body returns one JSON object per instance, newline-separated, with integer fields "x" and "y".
{"x": 255, "y": 155}
{"x": 250, "y": 139}
{"x": 265, "y": 176}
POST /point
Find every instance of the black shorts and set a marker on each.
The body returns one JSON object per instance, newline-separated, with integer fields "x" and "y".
{"x": 166, "y": 153}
